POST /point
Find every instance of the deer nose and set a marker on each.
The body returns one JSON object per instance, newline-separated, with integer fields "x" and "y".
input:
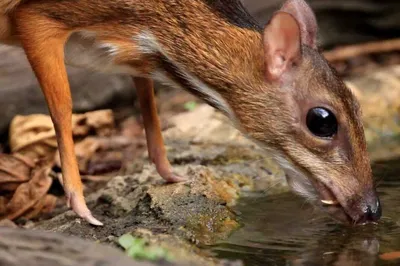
{"x": 372, "y": 211}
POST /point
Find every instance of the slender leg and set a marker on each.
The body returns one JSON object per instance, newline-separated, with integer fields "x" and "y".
{"x": 43, "y": 41}
{"x": 155, "y": 143}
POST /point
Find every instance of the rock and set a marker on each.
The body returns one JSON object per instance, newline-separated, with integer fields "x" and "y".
{"x": 8, "y": 223}
{"x": 203, "y": 125}
{"x": 379, "y": 94}
{"x": 195, "y": 211}
{"x": 36, "y": 248}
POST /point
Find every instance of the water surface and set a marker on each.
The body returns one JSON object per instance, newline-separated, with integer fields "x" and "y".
{"x": 284, "y": 230}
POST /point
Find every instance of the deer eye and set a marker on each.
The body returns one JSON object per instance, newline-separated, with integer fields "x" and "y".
{"x": 321, "y": 122}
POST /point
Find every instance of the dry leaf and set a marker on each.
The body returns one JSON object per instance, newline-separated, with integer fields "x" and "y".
{"x": 33, "y": 138}
{"x": 44, "y": 205}
{"x": 14, "y": 169}
{"x": 100, "y": 122}
{"x": 34, "y": 135}
{"x": 390, "y": 255}
{"x": 29, "y": 193}
{"x": 50, "y": 203}
{"x": 9, "y": 187}
{"x": 86, "y": 150}
{"x": 3, "y": 206}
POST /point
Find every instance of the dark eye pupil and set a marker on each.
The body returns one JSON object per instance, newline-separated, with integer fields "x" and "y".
{"x": 321, "y": 122}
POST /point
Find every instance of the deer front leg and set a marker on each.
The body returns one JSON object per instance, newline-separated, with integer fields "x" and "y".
{"x": 43, "y": 41}
{"x": 155, "y": 143}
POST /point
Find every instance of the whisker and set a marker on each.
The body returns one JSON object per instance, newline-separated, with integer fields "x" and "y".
{"x": 278, "y": 182}
{"x": 305, "y": 201}
{"x": 379, "y": 182}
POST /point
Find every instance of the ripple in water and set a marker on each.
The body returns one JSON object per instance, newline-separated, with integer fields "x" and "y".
{"x": 284, "y": 230}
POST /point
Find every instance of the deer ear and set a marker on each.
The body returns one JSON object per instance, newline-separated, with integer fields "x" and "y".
{"x": 282, "y": 45}
{"x": 305, "y": 17}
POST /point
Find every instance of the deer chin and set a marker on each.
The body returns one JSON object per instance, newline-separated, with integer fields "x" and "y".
{"x": 301, "y": 185}
{"x": 318, "y": 194}
{"x": 330, "y": 204}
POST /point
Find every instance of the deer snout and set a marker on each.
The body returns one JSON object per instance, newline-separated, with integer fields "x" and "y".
{"x": 364, "y": 208}
{"x": 357, "y": 208}
{"x": 370, "y": 208}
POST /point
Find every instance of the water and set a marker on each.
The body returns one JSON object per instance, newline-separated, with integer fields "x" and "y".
{"x": 284, "y": 230}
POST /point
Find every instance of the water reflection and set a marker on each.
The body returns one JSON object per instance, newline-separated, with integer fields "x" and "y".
{"x": 284, "y": 230}
{"x": 348, "y": 250}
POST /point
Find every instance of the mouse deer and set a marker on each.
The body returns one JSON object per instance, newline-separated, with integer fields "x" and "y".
{"x": 271, "y": 81}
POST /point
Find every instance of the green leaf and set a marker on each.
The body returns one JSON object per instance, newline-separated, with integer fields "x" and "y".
{"x": 156, "y": 253}
{"x": 135, "y": 251}
{"x": 126, "y": 241}
{"x": 137, "y": 248}
{"x": 190, "y": 106}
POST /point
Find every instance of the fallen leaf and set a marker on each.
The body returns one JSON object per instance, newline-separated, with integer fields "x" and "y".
{"x": 24, "y": 183}
{"x": 100, "y": 122}
{"x": 87, "y": 149}
{"x": 84, "y": 150}
{"x": 3, "y": 205}
{"x": 49, "y": 204}
{"x": 29, "y": 193}
{"x": 44, "y": 205}
{"x": 35, "y": 137}
{"x": 14, "y": 169}
{"x": 390, "y": 255}
{"x": 9, "y": 187}
{"x": 32, "y": 136}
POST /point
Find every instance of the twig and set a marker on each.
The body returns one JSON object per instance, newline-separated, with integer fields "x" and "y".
{"x": 346, "y": 52}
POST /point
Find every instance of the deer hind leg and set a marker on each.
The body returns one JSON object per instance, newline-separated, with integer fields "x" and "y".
{"x": 155, "y": 143}
{"x": 43, "y": 41}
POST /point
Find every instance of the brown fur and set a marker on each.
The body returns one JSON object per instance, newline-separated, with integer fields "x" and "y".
{"x": 220, "y": 45}
{"x": 6, "y": 6}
